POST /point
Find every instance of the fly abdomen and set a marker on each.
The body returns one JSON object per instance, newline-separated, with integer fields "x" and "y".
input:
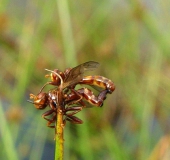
{"x": 99, "y": 81}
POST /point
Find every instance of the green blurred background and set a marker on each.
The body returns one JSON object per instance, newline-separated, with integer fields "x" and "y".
{"x": 131, "y": 41}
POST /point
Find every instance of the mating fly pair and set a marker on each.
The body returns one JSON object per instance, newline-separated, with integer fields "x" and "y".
{"x": 66, "y": 99}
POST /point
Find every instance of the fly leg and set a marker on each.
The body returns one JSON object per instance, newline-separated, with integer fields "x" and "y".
{"x": 73, "y": 119}
{"x": 50, "y": 121}
{"x": 73, "y": 98}
{"x": 75, "y": 110}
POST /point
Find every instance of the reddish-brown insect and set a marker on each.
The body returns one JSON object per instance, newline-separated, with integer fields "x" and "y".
{"x": 75, "y": 97}
{"x": 65, "y": 96}
{"x": 71, "y": 76}
{"x": 42, "y": 100}
{"x": 74, "y": 76}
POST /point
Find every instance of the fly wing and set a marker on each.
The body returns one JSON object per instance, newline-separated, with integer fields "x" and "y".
{"x": 76, "y": 73}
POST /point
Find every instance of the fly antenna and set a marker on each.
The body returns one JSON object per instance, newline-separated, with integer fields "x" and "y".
{"x": 30, "y": 101}
{"x": 43, "y": 87}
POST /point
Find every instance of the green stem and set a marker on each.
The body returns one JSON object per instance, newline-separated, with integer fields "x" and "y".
{"x": 7, "y": 142}
{"x": 70, "y": 59}
{"x": 59, "y": 151}
{"x": 66, "y": 32}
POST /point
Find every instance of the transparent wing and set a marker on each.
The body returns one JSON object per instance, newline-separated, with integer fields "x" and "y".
{"x": 76, "y": 73}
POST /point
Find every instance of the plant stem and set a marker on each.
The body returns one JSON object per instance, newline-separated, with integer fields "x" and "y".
{"x": 59, "y": 151}
{"x": 70, "y": 59}
{"x": 67, "y": 33}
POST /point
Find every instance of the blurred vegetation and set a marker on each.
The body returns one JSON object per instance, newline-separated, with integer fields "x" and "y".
{"x": 131, "y": 41}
